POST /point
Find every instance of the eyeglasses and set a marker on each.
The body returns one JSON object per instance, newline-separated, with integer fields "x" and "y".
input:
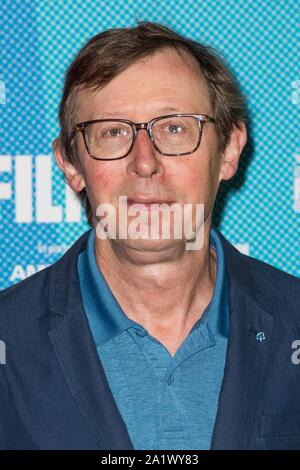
{"x": 171, "y": 135}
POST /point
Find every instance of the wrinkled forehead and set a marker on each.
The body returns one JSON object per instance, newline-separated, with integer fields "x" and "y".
{"x": 167, "y": 77}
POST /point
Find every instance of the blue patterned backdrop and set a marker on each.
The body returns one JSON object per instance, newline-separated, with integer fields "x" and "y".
{"x": 259, "y": 211}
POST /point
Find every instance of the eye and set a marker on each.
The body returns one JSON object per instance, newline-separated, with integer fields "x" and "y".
{"x": 175, "y": 128}
{"x": 170, "y": 127}
{"x": 116, "y": 132}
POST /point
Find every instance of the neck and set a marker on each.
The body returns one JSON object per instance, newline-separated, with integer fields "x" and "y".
{"x": 166, "y": 291}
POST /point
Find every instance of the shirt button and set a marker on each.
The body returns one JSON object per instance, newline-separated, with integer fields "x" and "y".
{"x": 140, "y": 333}
{"x": 170, "y": 379}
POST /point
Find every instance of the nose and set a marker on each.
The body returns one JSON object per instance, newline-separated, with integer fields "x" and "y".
{"x": 144, "y": 161}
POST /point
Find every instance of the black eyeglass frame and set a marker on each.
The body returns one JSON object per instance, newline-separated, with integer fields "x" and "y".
{"x": 202, "y": 119}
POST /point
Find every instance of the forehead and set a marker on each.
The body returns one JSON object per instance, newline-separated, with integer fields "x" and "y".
{"x": 152, "y": 85}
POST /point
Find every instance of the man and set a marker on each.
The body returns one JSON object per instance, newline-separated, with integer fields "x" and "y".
{"x": 134, "y": 342}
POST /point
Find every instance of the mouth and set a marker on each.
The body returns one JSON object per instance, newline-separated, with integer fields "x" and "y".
{"x": 148, "y": 202}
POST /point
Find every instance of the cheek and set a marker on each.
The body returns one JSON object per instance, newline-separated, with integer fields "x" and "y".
{"x": 198, "y": 179}
{"x": 98, "y": 179}
{"x": 193, "y": 178}
{"x": 99, "y": 175}
{"x": 101, "y": 178}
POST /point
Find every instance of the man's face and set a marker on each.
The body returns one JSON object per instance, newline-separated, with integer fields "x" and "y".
{"x": 164, "y": 83}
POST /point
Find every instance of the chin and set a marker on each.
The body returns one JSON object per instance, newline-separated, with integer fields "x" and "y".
{"x": 148, "y": 245}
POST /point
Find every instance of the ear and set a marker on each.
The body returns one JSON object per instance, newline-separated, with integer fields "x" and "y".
{"x": 73, "y": 176}
{"x": 231, "y": 155}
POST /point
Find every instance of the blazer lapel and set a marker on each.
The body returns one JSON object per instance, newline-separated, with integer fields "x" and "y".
{"x": 249, "y": 341}
{"x": 74, "y": 347}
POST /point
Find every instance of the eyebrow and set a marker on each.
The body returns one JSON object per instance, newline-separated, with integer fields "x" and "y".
{"x": 118, "y": 113}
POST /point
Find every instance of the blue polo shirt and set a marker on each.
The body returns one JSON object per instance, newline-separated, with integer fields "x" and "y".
{"x": 167, "y": 403}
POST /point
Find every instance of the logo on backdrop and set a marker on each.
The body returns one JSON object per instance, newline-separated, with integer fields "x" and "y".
{"x": 243, "y": 248}
{"x": 296, "y": 171}
{"x": 296, "y": 92}
{"x": 32, "y": 195}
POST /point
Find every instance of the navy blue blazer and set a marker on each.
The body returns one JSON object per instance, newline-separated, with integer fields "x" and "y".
{"x": 54, "y": 393}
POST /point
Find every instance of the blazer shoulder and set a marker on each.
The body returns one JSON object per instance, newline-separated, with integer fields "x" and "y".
{"x": 27, "y": 295}
{"x": 275, "y": 290}
{"x": 279, "y": 289}
{"x": 267, "y": 275}
{"x": 276, "y": 277}
{"x": 31, "y": 295}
